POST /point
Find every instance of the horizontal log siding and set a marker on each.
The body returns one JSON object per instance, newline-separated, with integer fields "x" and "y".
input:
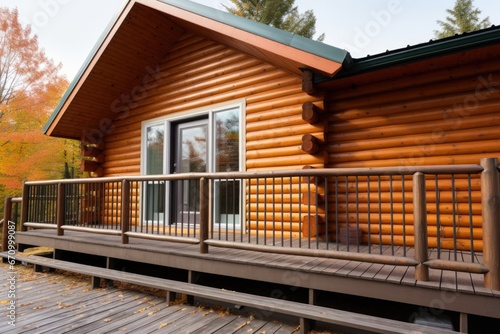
{"x": 198, "y": 73}
{"x": 448, "y": 116}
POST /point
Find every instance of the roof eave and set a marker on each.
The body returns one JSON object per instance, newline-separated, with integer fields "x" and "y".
{"x": 322, "y": 57}
{"x": 48, "y": 127}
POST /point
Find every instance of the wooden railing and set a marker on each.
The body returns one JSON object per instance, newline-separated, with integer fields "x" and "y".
{"x": 438, "y": 217}
{"x": 10, "y": 222}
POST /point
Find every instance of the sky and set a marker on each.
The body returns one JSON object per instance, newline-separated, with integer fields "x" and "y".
{"x": 68, "y": 29}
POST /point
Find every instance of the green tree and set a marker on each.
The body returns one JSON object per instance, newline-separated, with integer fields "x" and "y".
{"x": 280, "y": 14}
{"x": 462, "y": 18}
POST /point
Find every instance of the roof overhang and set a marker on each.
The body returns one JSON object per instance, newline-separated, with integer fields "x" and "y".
{"x": 142, "y": 33}
{"x": 260, "y": 40}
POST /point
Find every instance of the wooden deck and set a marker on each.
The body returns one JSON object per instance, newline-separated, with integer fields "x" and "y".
{"x": 56, "y": 303}
{"x": 452, "y": 291}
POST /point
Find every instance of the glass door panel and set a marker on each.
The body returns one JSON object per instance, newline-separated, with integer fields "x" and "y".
{"x": 227, "y": 141}
{"x": 191, "y": 156}
{"x": 154, "y": 149}
{"x": 154, "y": 202}
{"x": 227, "y": 193}
{"x": 227, "y": 203}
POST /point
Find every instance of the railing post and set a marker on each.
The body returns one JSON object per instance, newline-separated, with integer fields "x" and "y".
{"x": 61, "y": 208}
{"x": 420, "y": 226}
{"x": 204, "y": 214}
{"x": 25, "y": 205}
{"x": 490, "y": 200}
{"x": 7, "y": 215}
{"x": 125, "y": 210}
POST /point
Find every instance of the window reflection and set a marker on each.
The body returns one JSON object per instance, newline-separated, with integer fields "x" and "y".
{"x": 154, "y": 154}
{"x": 226, "y": 128}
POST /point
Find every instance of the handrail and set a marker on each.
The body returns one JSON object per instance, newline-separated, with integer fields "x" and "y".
{"x": 376, "y": 171}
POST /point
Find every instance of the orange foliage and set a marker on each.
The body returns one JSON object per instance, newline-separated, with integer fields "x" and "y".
{"x": 30, "y": 88}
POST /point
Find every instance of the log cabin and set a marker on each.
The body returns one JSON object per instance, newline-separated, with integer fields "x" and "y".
{"x": 204, "y": 128}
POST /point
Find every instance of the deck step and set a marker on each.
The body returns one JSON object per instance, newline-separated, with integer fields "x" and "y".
{"x": 304, "y": 312}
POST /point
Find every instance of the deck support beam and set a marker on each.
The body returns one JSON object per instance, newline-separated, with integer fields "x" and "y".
{"x": 95, "y": 282}
{"x": 193, "y": 278}
{"x": 305, "y": 326}
{"x": 464, "y": 323}
{"x": 307, "y": 323}
{"x": 313, "y": 296}
{"x": 170, "y": 297}
{"x": 490, "y": 199}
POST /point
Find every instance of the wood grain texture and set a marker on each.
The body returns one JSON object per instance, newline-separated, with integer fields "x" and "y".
{"x": 437, "y": 116}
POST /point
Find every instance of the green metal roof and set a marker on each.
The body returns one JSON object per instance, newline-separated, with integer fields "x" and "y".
{"x": 419, "y": 52}
{"x": 284, "y": 37}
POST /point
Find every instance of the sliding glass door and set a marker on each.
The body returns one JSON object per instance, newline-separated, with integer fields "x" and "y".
{"x": 209, "y": 141}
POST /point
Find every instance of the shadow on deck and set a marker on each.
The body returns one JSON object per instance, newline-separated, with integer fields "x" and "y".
{"x": 56, "y": 302}
{"x": 369, "y": 287}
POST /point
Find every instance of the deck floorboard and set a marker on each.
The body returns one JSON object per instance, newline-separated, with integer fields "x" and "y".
{"x": 409, "y": 277}
{"x": 68, "y": 305}
{"x": 140, "y": 320}
{"x": 240, "y": 262}
{"x": 75, "y": 315}
{"x": 216, "y": 325}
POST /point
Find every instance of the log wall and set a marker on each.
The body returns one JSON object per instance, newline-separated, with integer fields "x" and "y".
{"x": 444, "y": 116}
{"x": 199, "y": 73}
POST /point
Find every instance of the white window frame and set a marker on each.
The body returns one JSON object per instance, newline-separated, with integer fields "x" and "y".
{"x": 207, "y": 111}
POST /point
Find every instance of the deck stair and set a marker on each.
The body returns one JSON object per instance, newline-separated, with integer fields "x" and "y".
{"x": 307, "y": 314}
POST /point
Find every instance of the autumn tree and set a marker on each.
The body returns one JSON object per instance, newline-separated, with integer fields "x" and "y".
{"x": 281, "y": 14}
{"x": 462, "y": 18}
{"x": 30, "y": 88}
